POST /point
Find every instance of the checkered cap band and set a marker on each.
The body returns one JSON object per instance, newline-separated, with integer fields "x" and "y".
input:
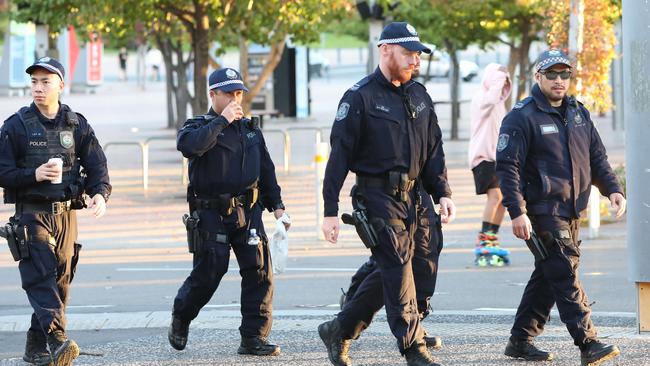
{"x": 50, "y": 67}
{"x": 224, "y": 83}
{"x": 398, "y": 40}
{"x": 553, "y": 60}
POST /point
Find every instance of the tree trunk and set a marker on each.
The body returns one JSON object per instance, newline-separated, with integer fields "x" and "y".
{"x": 165, "y": 48}
{"x": 200, "y": 46}
{"x": 524, "y": 48}
{"x": 513, "y": 58}
{"x": 275, "y": 55}
{"x": 453, "y": 87}
{"x": 183, "y": 97}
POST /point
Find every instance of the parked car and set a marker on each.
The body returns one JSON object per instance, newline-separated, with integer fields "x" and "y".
{"x": 437, "y": 65}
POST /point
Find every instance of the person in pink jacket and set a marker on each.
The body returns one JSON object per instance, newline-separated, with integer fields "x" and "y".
{"x": 487, "y": 110}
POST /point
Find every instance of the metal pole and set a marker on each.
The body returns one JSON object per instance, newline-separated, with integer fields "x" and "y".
{"x": 145, "y": 166}
{"x": 376, "y": 26}
{"x": 287, "y": 151}
{"x": 636, "y": 81}
{"x": 321, "y": 162}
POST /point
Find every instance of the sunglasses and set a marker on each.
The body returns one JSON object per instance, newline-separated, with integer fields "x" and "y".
{"x": 552, "y": 75}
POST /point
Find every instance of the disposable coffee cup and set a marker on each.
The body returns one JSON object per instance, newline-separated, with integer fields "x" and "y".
{"x": 59, "y": 164}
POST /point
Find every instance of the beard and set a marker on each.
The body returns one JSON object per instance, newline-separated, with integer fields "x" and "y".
{"x": 398, "y": 73}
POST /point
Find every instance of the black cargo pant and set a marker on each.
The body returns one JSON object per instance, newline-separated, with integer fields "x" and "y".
{"x": 428, "y": 243}
{"x": 555, "y": 281}
{"x": 46, "y": 275}
{"x": 392, "y": 284}
{"x": 211, "y": 264}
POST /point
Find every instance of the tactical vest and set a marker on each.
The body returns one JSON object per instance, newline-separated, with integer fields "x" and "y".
{"x": 44, "y": 143}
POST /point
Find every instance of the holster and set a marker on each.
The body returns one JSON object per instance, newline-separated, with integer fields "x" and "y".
{"x": 17, "y": 241}
{"x": 364, "y": 228}
{"x": 194, "y": 239}
{"x": 537, "y": 247}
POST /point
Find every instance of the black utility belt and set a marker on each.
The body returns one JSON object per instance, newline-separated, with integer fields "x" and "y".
{"x": 227, "y": 202}
{"x": 52, "y": 208}
{"x": 396, "y": 184}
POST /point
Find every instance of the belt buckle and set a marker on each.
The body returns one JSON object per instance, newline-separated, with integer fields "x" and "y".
{"x": 56, "y": 208}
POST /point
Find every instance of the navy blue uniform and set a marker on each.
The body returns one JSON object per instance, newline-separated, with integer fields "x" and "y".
{"x": 47, "y": 274}
{"x": 229, "y": 159}
{"x": 546, "y": 163}
{"x": 382, "y": 128}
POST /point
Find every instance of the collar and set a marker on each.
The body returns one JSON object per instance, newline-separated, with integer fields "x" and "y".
{"x": 541, "y": 101}
{"x": 42, "y": 117}
{"x": 379, "y": 76}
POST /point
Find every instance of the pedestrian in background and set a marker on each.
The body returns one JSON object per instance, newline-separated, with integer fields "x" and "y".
{"x": 487, "y": 111}
{"x": 549, "y": 154}
{"x": 122, "y": 56}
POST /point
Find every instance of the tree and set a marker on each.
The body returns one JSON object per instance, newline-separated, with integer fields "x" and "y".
{"x": 597, "y": 53}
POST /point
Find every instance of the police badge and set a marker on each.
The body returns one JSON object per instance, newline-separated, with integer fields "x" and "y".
{"x": 231, "y": 74}
{"x": 66, "y": 139}
{"x": 577, "y": 119}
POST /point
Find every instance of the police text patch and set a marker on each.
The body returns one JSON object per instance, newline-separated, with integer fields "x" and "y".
{"x": 343, "y": 111}
{"x": 503, "y": 142}
{"x": 548, "y": 129}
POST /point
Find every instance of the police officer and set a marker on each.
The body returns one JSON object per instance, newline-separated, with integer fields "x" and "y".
{"x": 548, "y": 155}
{"x": 386, "y": 132}
{"x": 428, "y": 243}
{"x": 33, "y": 142}
{"x": 232, "y": 179}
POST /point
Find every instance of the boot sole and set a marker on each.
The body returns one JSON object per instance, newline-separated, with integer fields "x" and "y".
{"x": 245, "y": 351}
{"x": 514, "y": 354}
{"x": 69, "y": 352}
{"x": 607, "y": 357}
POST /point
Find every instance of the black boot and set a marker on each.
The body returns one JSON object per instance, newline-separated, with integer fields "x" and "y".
{"x": 337, "y": 347}
{"x": 526, "y": 349}
{"x": 36, "y": 349}
{"x": 594, "y": 353}
{"x": 418, "y": 355}
{"x": 63, "y": 350}
{"x": 434, "y": 342}
{"x": 178, "y": 332}
{"x": 257, "y": 346}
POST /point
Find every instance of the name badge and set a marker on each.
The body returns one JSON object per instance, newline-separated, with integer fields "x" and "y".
{"x": 548, "y": 129}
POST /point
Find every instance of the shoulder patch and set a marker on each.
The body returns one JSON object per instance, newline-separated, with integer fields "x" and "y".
{"x": 504, "y": 138}
{"x": 344, "y": 108}
{"x": 520, "y": 104}
{"x": 360, "y": 84}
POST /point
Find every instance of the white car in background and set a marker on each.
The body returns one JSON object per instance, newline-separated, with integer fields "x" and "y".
{"x": 437, "y": 65}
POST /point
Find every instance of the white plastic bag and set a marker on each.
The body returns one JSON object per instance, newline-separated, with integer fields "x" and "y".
{"x": 280, "y": 245}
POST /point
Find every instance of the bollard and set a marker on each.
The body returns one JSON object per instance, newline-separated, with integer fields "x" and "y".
{"x": 594, "y": 212}
{"x": 321, "y": 161}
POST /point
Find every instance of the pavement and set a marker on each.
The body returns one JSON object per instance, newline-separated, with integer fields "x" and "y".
{"x": 132, "y": 257}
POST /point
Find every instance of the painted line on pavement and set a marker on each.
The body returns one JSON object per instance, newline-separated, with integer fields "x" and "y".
{"x": 233, "y": 269}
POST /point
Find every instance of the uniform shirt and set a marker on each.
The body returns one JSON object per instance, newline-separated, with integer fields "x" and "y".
{"x": 13, "y": 146}
{"x": 227, "y": 158}
{"x": 547, "y": 162}
{"x": 380, "y": 127}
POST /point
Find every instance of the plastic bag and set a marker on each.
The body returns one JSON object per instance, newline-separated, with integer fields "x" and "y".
{"x": 280, "y": 245}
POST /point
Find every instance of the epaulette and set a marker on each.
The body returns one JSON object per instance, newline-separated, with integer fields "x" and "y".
{"x": 360, "y": 84}
{"x": 520, "y": 104}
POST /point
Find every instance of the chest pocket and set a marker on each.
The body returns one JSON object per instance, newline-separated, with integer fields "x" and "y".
{"x": 253, "y": 146}
{"x": 385, "y": 133}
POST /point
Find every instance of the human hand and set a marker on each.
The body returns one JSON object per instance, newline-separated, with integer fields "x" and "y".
{"x": 618, "y": 203}
{"x": 447, "y": 210}
{"x": 233, "y": 112}
{"x": 98, "y": 205}
{"x": 49, "y": 171}
{"x": 522, "y": 227}
{"x": 330, "y": 228}
{"x": 281, "y": 215}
